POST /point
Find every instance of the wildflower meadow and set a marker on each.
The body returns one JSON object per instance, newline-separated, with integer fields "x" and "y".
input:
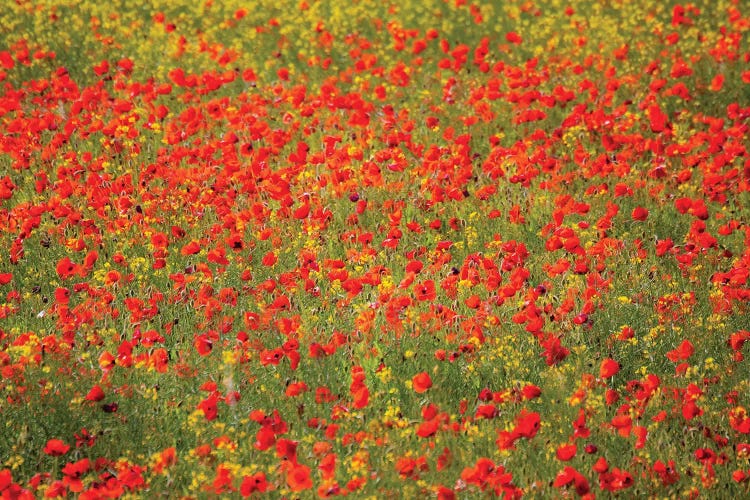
{"x": 377, "y": 249}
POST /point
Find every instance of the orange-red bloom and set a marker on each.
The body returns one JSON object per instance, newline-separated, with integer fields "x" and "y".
{"x": 421, "y": 382}
{"x": 298, "y": 478}
{"x": 56, "y": 447}
{"x": 608, "y": 368}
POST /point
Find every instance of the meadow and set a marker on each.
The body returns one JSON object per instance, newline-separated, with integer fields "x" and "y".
{"x": 377, "y": 249}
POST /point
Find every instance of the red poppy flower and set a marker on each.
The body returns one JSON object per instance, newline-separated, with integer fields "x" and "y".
{"x": 566, "y": 452}
{"x": 513, "y": 37}
{"x": 264, "y": 438}
{"x": 190, "y": 248}
{"x": 421, "y": 382}
{"x": 658, "y": 118}
{"x": 554, "y": 352}
{"x": 73, "y": 471}
{"x": 269, "y": 259}
{"x": 690, "y": 410}
{"x": 428, "y": 428}
{"x": 251, "y": 484}
{"x": 640, "y": 214}
{"x": 641, "y": 433}
{"x": 159, "y": 360}
{"x": 601, "y": 465}
{"x": 579, "y": 426}
{"x": 623, "y": 424}
{"x": 608, "y": 368}
{"x": 488, "y": 411}
{"x": 203, "y": 344}
{"x": 531, "y": 391}
{"x": 296, "y": 388}
{"x": 527, "y": 424}
{"x": 208, "y": 407}
{"x": 739, "y": 420}
{"x": 682, "y": 352}
{"x": 56, "y": 448}
{"x": 62, "y": 295}
{"x": 425, "y": 291}
{"x": 360, "y": 396}
{"x": 611, "y": 397}
{"x": 95, "y": 394}
{"x": 569, "y": 476}
{"x": 6, "y": 60}
{"x": 302, "y": 212}
{"x": 66, "y": 268}
{"x": 298, "y": 478}
{"x": 473, "y": 301}
{"x": 286, "y": 449}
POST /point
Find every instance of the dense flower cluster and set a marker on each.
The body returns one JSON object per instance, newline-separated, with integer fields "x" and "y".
{"x": 416, "y": 249}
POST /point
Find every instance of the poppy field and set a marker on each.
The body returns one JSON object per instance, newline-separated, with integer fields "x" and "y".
{"x": 378, "y": 249}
